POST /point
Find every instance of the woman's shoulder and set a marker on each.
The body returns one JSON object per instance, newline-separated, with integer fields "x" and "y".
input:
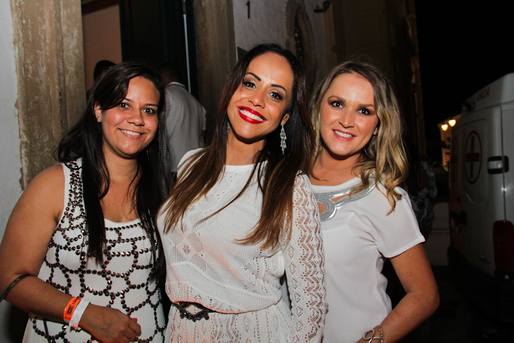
{"x": 377, "y": 202}
{"x": 302, "y": 181}
{"x": 187, "y": 156}
{"x": 383, "y": 189}
{"x": 46, "y": 189}
{"x": 381, "y": 193}
{"x": 303, "y": 188}
{"x": 50, "y": 177}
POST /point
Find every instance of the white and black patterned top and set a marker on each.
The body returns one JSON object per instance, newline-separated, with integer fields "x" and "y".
{"x": 121, "y": 282}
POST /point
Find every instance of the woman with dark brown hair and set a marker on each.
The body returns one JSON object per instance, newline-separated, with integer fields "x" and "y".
{"x": 81, "y": 251}
{"x": 242, "y": 214}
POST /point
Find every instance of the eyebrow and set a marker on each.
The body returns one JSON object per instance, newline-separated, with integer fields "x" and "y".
{"x": 273, "y": 84}
{"x": 343, "y": 99}
{"x": 149, "y": 104}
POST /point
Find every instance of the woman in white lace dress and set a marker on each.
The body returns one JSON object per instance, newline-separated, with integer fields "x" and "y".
{"x": 242, "y": 214}
{"x": 81, "y": 239}
{"x": 366, "y": 217}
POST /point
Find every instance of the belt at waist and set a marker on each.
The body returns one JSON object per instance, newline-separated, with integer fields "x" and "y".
{"x": 203, "y": 312}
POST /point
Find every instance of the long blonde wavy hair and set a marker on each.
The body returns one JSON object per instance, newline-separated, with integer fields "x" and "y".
{"x": 383, "y": 159}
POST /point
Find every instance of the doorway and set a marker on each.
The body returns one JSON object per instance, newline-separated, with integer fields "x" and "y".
{"x": 147, "y": 31}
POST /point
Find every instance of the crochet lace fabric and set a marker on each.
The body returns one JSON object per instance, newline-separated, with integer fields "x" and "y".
{"x": 206, "y": 264}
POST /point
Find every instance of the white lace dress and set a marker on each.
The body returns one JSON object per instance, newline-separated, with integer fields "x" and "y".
{"x": 121, "y": 282}
{"x": 241, "y": 283}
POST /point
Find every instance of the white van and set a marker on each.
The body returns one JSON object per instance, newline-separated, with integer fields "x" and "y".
{"x": 481, "y": 253}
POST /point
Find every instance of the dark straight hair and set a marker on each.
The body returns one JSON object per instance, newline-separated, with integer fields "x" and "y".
{"x": 85, "y": 140}
{"x": 276, "y": 177}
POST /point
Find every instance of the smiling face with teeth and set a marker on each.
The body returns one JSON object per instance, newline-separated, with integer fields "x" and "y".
{"x": 130, "y": 126}
{"x": 259, "y": 104}
{"x": 348, "y": 118}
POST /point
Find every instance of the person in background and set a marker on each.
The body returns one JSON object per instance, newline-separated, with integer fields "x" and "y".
{"x": 422, "y": 188}
{"x": 185, "y": 116}
{"x": 101, "y": 67}
{"x": 80, "y": 252}
{"x": 366, "y": 217}
{"x": 242, "y": 214}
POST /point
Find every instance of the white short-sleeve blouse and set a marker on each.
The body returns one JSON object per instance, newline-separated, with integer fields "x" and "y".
{"x": 358, "y": 234}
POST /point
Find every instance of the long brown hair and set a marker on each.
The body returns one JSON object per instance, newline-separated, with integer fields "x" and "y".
{"x": 384, "y": 155}
{"x": 85, "y": 140}
{"x": 276, "y": 177}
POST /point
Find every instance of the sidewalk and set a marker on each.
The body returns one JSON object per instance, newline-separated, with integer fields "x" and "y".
{"x": 457, "y": 320}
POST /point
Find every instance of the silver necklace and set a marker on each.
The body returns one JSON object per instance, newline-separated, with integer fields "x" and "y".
{"x": 333, "y": 206}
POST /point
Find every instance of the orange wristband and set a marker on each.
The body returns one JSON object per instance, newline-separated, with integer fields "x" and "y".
{"x": 69, "y": 309}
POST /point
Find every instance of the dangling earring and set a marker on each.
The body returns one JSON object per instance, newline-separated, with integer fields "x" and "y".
{"x": 228, "y": 126}
{"x": 283, "y": 139}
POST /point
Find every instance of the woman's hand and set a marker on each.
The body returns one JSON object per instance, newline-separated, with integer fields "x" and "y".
{"x": 109, "y": 325}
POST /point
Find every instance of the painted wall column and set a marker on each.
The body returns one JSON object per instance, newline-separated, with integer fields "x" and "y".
{"x": 216, "y": 52}
{"x": 50, "y": 70}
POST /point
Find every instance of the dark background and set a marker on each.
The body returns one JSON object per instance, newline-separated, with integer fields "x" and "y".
{"x": 463, "y": 46}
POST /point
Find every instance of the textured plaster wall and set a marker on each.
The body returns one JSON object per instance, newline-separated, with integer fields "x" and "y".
{"x": 267, "y": 23}
{"x": 216, "y": 52}
{"x": 50, "y": 69}
{"x": 10, "y": 165}
{"x": 42, "y": 91}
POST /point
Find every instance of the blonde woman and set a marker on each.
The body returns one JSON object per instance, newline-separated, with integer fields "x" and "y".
{"x": 366, "y": 217}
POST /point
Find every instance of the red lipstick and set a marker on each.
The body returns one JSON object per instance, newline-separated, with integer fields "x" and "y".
{"x": 250, "y": 116}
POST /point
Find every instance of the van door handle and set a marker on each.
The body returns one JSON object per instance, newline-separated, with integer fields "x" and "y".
{"x": 497, "y": 164}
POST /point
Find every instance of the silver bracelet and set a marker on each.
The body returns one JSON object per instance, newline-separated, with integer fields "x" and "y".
{"x": 369, "y": 336}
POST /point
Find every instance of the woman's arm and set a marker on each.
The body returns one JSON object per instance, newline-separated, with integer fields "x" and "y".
{"x": 421, "y": 300}
{"x": 304, "y": 264}
{"x": 23, "y": 249}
